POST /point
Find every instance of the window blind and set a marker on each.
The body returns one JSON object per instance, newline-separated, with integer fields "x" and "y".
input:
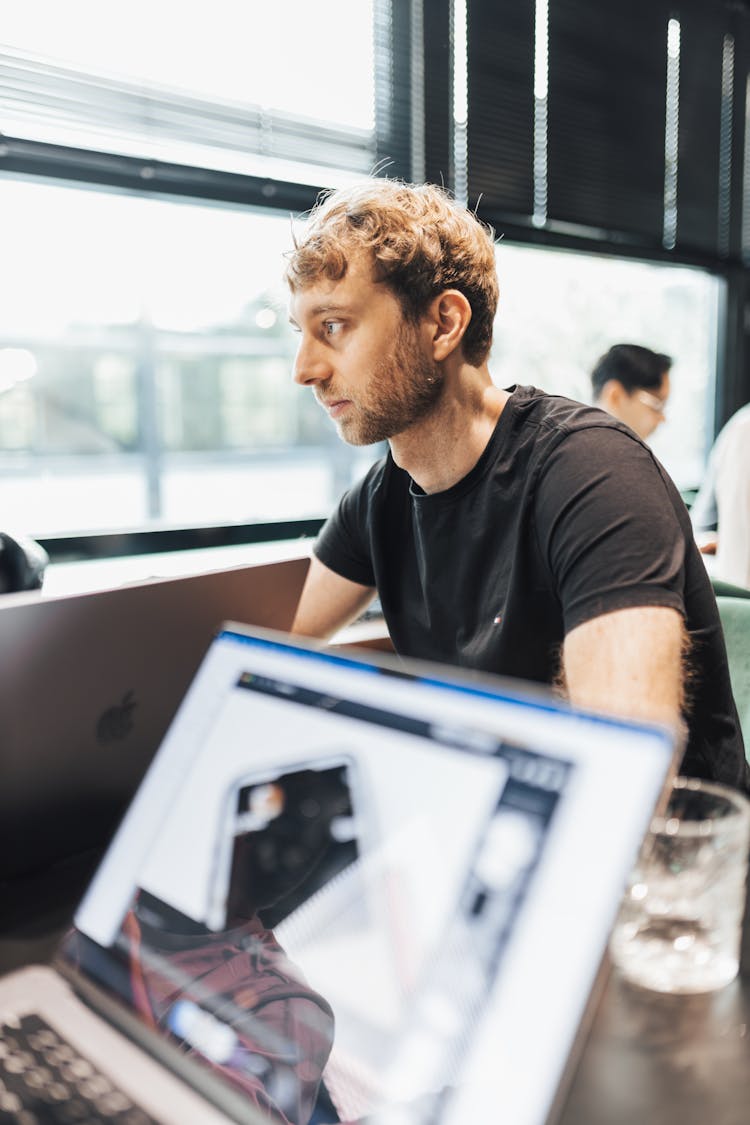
{"x": 239, "y": 93}
{"x": 54, "y": 104}
{"x": 639, "y": 120}
{"x": 500, "y": 148}
{"x": 606, "y": 115}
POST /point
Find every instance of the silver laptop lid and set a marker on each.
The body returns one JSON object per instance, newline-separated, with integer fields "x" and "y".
{"x": 88, "y": 685}
{"x": 369, "y": 889}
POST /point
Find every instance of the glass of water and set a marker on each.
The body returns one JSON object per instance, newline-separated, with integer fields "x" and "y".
{"x": 680, "y": 924}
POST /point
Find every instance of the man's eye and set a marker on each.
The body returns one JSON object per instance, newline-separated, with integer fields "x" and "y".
{"x": 331, "y": 327}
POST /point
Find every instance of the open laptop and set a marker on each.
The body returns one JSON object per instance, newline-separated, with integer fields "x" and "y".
{"x": 88, "y": 685}
{"x": 348, "y": 888}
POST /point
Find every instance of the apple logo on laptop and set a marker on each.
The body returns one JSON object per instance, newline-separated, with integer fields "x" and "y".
{"x": 116, "y": 722}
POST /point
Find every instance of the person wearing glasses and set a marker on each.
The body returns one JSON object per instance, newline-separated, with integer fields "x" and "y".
{"x": 632, "y": 383}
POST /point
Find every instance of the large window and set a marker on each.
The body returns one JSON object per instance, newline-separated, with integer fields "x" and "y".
{"x": 560, "y": 310}
{"x": 258, "y": 89}
{"x": 145, "y": 367}
{"x": 145, "y": 360}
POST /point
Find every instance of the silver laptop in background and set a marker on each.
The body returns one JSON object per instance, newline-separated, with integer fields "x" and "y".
{"x": 88, "y": 685}
{"x": 347, "y": 889}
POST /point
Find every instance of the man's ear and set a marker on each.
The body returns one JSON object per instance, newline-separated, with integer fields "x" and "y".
{"x": 448, "y": 318}
{"x": 611, "y": 395}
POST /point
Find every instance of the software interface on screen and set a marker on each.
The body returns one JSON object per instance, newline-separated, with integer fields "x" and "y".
{"x": 319, "y": 882}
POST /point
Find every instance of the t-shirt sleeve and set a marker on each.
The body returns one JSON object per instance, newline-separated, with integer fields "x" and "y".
{"x": 608, "y": 527}
{"x": 343, "y": 543}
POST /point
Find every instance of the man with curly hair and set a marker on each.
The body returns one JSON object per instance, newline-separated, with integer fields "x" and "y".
{"x": 505, "y": 530}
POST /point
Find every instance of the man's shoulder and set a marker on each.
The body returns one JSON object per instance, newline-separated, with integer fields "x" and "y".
{"x": 382, "y": 478}
{"x": 567, "y": 445}
{"x": 555, "y": 417}
{"x": 374, "y": 473}
{"x": 736, "y": 430}
{"x": 740, "y": 419}
{"x": 731, "y": 455}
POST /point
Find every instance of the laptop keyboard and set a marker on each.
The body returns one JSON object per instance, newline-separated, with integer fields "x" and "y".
{"x": 45, "y": 1081}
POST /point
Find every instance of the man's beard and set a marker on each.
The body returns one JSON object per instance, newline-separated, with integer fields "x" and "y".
{"x": 405, "y": 388}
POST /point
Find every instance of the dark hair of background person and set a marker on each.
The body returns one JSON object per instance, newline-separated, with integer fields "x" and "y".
{"x": 632, "y": 365}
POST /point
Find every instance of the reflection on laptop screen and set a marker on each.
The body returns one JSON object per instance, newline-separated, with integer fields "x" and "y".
{"x": 359, "y": 894}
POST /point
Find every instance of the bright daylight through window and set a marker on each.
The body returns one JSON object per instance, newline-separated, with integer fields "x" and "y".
{"x": 559, "y": 311}
{"x": 146, "y": 368}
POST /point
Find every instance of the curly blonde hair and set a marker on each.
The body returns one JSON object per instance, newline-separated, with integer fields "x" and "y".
{"x": 421, "y": 242}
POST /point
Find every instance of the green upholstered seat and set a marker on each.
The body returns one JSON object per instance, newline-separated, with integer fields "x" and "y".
{"x": 735, "y": 620}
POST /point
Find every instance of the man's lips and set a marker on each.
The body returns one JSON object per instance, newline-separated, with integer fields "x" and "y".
{"x": 335, "y": 406}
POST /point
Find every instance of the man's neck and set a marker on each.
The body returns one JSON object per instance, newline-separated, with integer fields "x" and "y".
{"x": 440, "y": 450}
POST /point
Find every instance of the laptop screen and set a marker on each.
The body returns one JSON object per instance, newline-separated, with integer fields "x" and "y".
{"x": 370, "y": 891}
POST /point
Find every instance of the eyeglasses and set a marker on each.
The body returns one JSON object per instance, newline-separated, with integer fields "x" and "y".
{"x": 653, "y": 402}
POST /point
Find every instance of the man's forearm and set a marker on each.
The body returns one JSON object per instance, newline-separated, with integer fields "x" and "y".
{"x": 328, "y": 602}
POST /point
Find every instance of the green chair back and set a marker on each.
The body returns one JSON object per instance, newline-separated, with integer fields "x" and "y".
{"x": 728, "y": 589}
{"x": 735, "y": 621}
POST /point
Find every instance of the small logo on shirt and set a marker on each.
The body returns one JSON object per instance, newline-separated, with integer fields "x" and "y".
{"x": 497, "y": 620}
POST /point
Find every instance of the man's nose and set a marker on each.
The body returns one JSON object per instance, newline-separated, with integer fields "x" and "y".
{"x": 310, "y": 366}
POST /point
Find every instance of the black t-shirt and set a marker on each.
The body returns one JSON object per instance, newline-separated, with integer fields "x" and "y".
{"x": 566, "y": 515}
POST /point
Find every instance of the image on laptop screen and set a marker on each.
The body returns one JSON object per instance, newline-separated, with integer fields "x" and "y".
{"x": 357, "y": 892}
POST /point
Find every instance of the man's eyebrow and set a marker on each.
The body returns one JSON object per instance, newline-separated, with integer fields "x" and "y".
{"x": 329, "y": 307}
{"x": 323, "y": 309}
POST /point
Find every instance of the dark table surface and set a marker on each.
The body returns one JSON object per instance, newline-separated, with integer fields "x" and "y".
{"x": 648, "y": 1059}
{"x": 653, "y": 1059}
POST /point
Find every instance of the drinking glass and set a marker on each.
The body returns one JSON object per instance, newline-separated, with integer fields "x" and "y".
{"x": 680, "y": 923}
